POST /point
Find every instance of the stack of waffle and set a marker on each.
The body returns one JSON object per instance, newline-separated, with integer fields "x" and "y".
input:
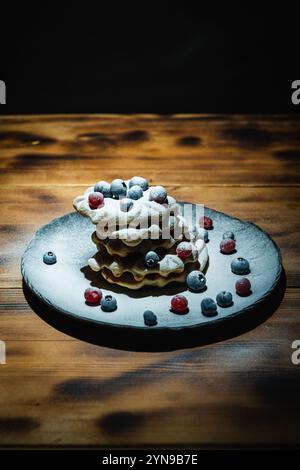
{"x": 123, "y": 238}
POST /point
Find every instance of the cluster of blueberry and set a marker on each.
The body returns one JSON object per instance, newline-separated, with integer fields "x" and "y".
{"x": 118, "y": 189}
{"x": 239, "y": 265}
{"x": 196, "y": 280}
{"x": 94, "y": 296}
{"x": 179, "y": 304}
{"x": 224, "y": 298}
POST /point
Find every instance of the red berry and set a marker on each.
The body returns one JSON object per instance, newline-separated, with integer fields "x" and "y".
{"x": 227, "y": 245}
{"x": 184, "y": 250}
{"x": 243, "y": 286}
{"x": 93, "y": 295}
{"x": 206, "y": 222}
{"x": 96, "y": 200}
{"x": 179, "y": 304}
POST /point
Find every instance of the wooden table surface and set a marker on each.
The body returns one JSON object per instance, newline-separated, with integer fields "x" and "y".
{"x": 56, "y": 390}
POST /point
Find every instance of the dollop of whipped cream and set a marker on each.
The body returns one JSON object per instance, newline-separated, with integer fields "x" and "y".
{"x": 142, "y": 221}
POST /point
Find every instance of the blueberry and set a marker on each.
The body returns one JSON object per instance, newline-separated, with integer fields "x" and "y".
{"x": 209, "y": 307}
{"x": 228, "y": 235}
{"x": 196, "y": 281}
{"x": 109, "y": 303}
{"x": 240, "y": 266}
{"x": 118, "y": 188}
{"x": 224, "y": 299}
{"x": 49, "y": 258}
{"x": 103, "y": 187}
{"x": 151, "y": 259}
{"x": 139, "y": 181}
{"x": 150, "y": 318}
{"x": 126, "y": 204}
{"x": 135, "y": 192}
{"x": 158, "y": 194}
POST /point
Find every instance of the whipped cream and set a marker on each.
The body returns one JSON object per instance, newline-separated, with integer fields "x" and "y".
{"x": 131, "y": 226}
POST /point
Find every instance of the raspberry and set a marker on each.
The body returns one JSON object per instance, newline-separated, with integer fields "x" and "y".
{"x": 93, "y": 296}
{"x": 227, "y": 246}
{"x": 184, "y": 250}
{"x": 179, "y": 304}
{"x": 96, "y": 200}
{"x": 206, "y": 222}
{"x": 243, "y": 286}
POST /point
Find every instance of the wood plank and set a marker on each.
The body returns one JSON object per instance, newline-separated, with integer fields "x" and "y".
{"x": 240, "y": 391}
{"x": 57, "y": 390}
{"x": 273, "y": 209}
{"x": 231, "y": 149}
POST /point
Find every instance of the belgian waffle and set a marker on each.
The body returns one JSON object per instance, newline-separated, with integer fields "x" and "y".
{"x": 127, "y": 280}
{"x": 119, "y": 248}
{"x": 124, "y": 238}
{"x": 169, "y": 264}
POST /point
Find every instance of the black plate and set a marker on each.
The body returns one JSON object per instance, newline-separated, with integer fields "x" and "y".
{"x": 61, "y": 287}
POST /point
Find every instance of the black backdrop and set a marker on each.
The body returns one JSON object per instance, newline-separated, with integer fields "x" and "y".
{"x": 84, "y": 60}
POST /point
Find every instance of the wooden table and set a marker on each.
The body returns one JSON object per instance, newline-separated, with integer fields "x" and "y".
{"x": 58, "y": 391}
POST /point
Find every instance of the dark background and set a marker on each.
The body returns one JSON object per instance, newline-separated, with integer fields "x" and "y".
{"x": 73, "y": 61}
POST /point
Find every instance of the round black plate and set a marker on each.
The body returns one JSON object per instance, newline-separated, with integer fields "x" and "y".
{"x": 61, "y": 286}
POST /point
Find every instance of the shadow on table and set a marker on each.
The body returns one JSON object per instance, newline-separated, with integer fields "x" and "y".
{"x": 155, "y": 339}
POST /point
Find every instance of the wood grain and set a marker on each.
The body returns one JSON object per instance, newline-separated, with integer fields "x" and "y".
{"x": 57, "y": 390}
{"x": 228, "y": 150}
{"x": 80, "y": 393}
